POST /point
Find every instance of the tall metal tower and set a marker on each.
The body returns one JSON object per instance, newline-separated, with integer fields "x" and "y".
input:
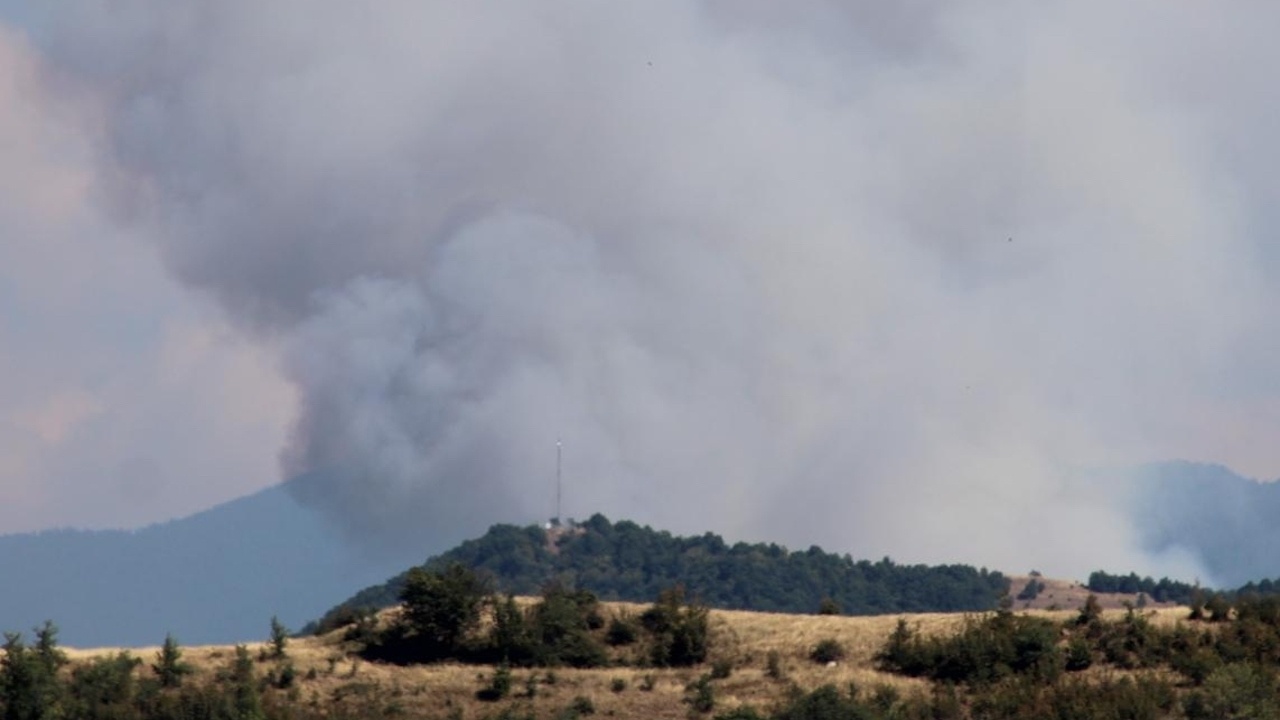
{"x": 558, "y": 483}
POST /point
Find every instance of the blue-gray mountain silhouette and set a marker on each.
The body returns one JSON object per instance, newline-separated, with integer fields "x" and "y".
{"x": 214, "y": 577}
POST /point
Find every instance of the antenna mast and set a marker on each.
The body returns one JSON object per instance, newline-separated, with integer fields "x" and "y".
{"x": 558, "y": 485}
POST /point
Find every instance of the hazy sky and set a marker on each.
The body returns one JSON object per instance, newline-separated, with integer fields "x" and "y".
{"x": 870, "y": 275}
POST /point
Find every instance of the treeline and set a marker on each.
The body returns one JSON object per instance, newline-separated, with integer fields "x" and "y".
{"x": 1162, "y": 590}
{"x": 625, "y": 561}
{"x": 1166, "y": 590}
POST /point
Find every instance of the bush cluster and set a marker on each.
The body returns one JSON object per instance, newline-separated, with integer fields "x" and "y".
{"x": 984, "y": 651}
{"x": 444, "y": 612}
{"x": 1225, "y": 664}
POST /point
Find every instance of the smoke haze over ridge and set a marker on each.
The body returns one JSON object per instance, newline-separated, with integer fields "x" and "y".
{"x": 877, "y": 278}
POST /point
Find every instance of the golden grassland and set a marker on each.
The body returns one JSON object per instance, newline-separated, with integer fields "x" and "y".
{"x": 328, "y": 673}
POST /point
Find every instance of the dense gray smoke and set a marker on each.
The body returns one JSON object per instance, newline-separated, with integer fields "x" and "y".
{"x": 876, "y": 276}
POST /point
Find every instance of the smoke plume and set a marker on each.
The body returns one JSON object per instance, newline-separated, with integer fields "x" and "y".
{"x": 874, "y": 276}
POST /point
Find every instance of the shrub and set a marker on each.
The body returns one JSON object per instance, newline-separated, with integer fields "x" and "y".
{"x": 773, "y": 665}
{"x": 1136, "y": 698}
{"x": 1197, "y": 606}
{"x": 827, "y": 651}
{"x": 363, "y": 628}
{"x": 618, "y": 684}
{"x": 1218, "y": 607}
{"x": 284, "y": 679}
{"x": 1090, "y": 612}
{"x": 102, "y": 688}
{"x": 700, "y": 696}
{"x": 721, "y": 669}
{"x": 582, "y": 705}
{"x": 884, "y": 698}
{"x": 1242, "y": 690}
{"x": 623, "y": 630}
{"x": 340, "y": 616}
{"x": 823, "y": 703}
{"x": 1032, "y": 589}
{"x": 499, "y": 687}
{"x": 510, "y": 639}
{"x": 560, "y": 627}
{"x": 1197, "y": 664}
{"x": 828, "y": 607}
{"x": 1079, "y": 655}
{"x": 902, "y": 652}
{"x": 680, "y": 630}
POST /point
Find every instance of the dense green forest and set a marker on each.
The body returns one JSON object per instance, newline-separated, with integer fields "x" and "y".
{"x": 1166, "y": 590}
{"x": 1162, "y": 590}
{"x": 625, "y": 561}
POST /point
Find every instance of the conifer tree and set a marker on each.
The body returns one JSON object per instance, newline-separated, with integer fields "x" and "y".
{"x": 244, "y": 686}
{"x": 279, "y": 638}
{"x": 29, "y": 686}
{"x": 169, "y": 667}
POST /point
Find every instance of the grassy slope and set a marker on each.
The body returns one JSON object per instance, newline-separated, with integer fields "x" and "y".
{"x": 745, "y": 638}
{"x": 1059, "y": 594}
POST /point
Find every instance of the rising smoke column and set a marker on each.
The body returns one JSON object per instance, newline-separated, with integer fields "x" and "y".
{"x": 873, "y": 278}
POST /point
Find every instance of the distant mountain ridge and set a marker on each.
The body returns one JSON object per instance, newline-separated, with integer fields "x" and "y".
{"x": 625, "y": 561}
{"x": 1229, "y": 523}
{"x": 214, "y": 577}
{"x": 218, "y": 576}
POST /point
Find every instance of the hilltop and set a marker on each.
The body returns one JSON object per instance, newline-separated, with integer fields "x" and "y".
{"x": 1058, "y": 594}
{"x": 626, "y": 561}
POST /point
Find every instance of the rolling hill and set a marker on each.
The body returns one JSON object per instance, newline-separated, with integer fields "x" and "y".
{"x": 625, "y": 561}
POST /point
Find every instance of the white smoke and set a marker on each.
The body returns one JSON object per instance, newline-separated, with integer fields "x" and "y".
{"x": 866, "y": 276}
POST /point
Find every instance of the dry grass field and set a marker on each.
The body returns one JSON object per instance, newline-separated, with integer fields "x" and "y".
{"x": 328, "y": 674}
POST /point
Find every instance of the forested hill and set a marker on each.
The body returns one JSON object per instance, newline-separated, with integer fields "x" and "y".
{"x": 624, "y": 561}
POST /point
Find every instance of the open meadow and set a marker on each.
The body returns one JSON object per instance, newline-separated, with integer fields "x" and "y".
{"x": 766, "y": 655}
